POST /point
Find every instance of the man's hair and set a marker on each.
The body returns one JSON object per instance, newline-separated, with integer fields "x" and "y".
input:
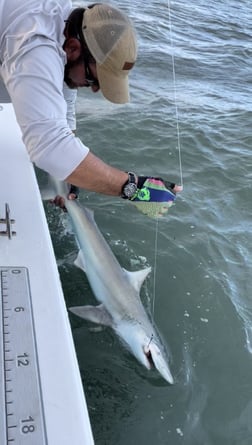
{"x": 74, "y": 22}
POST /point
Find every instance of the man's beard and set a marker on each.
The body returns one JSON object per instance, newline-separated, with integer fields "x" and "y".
{"x": 68, "y": 66}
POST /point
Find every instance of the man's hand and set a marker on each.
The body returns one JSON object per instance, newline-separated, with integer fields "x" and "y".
{"x": 155, "y": 196}
{"x": 59, "y": 201}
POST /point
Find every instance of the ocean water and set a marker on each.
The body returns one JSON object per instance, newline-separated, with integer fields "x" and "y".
{"x": 202, "y": 291}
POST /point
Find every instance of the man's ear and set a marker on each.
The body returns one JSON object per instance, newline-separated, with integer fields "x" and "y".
{"x": 72, "y": 47}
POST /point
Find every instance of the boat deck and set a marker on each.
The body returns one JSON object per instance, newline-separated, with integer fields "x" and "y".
{"x": 41, "y": 392}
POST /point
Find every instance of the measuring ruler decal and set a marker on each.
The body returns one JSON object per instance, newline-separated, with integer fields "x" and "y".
{"x": 22, "y": 420}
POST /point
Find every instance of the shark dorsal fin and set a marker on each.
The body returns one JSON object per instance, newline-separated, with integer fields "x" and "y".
{"x": 137, "y": 278}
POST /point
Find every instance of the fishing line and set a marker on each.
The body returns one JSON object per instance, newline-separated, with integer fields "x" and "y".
{"x": 152, "y": 336}
{"x": 155, "y": 268}
{"x": 175, "y": 92}
{"x": 178, "y": 146}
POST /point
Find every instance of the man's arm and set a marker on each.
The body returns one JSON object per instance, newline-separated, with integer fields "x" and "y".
{"x": 93, "y": 174}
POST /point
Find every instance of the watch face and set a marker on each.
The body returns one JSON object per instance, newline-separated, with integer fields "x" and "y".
{"x": 130, "y": 189}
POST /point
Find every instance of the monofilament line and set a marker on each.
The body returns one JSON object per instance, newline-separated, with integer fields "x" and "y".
{"x": 178, "y": 147}
{"x": 155, "y": 268}
{"x": 175, "y": 92}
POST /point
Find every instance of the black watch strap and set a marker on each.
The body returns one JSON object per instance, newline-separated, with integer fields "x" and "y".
{"x": 129, "y": 188}
{"x": 132, "y": 178}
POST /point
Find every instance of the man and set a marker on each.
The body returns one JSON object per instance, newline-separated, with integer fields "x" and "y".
{"x": 47, "y": 42}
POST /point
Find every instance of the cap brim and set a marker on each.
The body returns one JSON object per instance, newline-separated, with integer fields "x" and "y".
{"x": 113, "y": 87}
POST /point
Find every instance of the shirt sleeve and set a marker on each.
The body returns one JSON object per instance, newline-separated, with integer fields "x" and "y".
{"x": 70, "y": 96}
{"x": 34, "y": 79}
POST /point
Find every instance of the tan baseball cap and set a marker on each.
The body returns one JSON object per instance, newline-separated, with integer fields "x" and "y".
{"x": 111, "y": 39}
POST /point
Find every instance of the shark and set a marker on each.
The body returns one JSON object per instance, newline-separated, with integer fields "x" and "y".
{"x": 117, "y": 291}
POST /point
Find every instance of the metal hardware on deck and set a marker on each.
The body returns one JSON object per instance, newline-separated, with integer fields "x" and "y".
{"x": 8, "y": 222}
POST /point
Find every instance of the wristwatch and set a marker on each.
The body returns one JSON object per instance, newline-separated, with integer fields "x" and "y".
{"x": 130, "y": 187}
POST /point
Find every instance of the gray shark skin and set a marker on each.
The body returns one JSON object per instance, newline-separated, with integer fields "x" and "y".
{"x": 117, "y": 291}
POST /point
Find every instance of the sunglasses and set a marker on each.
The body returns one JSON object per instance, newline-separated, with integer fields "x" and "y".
{"x": 87, "y": 59}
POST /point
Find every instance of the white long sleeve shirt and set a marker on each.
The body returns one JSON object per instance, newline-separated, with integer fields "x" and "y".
{"x": 32, "y": 68}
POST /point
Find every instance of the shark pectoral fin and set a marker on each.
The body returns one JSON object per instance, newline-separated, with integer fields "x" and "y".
{"x": 96, "y": 314}
{"x": 80, "y": 261}
{"x": 137, "y": 278}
